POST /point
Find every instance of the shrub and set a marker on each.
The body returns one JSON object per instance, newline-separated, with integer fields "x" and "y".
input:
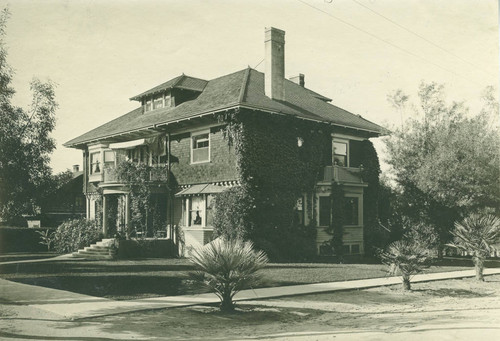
{"x": 477, "y": 234}
{"x": 406, "y": 259}
{"x": 226, "y": 267}
{"x": 75, "y": 234}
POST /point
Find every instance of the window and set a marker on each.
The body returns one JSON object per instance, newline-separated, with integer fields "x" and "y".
{"x": 200, "y": 148}
{"x": 158, "y": 102}
{"x": 196, "y": 211}
{"x": 109, "y": 158}
{"x": 148, "y": 105}
{"x": 355, "y": 249}
{"x": 340, "y": 154}
{"x": 324, "y": 211}
{"x": 351, "y": 211}
{"x": 168, "y": 100}
{"x": 95, "y": 166}
{"x": 299, "y": 211}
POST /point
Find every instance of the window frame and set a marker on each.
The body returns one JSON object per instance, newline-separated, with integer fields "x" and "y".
{"x": 359, "y": 197}
{"x": 343, "y": 141}
{"x": 329, "y": 211}
{"x": 97, "y": 162}
{"x": 193, "y": 136}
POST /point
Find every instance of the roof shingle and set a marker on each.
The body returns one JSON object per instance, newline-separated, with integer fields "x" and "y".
{"x": 243, "y": 88}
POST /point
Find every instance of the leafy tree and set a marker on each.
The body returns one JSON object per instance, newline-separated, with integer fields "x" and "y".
{"x": 226, "y": 267}
{"x": 445, "y": 162}
{"x": 406, "y": 258}
{"x": 25, "y": 142}
{"x": 477, "y": 234}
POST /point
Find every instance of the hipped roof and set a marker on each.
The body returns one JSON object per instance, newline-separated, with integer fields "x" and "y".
{"x": 242, "y": 89}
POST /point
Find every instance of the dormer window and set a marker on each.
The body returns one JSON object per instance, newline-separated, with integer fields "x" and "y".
{"x": 157, "y": 102}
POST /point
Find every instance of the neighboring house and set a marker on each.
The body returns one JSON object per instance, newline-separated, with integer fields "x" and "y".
{"x": 177, "y": 125}
{"x": 67, "y": 202}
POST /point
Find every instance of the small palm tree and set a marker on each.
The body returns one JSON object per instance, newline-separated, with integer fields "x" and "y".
{"x": 406, "y": 258}
{"x": 226, "y": 267}
{"x": 477, "y": 234}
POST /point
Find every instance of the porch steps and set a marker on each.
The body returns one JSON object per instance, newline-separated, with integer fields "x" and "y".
{"x": 100, "y": 250}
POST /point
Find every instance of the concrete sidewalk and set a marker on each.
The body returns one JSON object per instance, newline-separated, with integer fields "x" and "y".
{"x": 67, "y": 305}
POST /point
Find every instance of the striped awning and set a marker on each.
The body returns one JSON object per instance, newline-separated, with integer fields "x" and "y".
{"x": 201, "y": 189}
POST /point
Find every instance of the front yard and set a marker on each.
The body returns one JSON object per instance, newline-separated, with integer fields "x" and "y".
{"x": 460, "y": 309}
{"x": 129, "y": 279}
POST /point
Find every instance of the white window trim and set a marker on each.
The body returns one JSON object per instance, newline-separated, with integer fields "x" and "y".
{"x": 201, "y": 132}
{"x": 187, "y": 212}
{"x": 360, "y": 208}
{"x": 347, "y": 150}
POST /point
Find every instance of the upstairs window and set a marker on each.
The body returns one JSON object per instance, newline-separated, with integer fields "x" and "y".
{"x": 95, "y": 163}
{"x": 149, "y": 105}
{"x": 109, "y": 158}
{"x": 200, "y": 147}
{"x": 158, "y": 102}
{"x": 340, "y": 151}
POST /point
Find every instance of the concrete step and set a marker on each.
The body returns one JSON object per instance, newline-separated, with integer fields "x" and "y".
{"x": 100, "y": 250}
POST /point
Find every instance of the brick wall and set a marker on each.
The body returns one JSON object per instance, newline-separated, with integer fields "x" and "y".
{"x": 222, "y": 165}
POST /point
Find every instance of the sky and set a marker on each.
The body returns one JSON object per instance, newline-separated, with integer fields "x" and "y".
{"x": 101, "y": 53}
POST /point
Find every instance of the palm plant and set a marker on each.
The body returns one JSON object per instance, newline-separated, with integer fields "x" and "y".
{"x": 406, "y": 258}
{"x": 477, "y": 235}
{"x": 226, "y": 267}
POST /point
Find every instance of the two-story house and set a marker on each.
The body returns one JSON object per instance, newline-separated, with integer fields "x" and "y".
{"x": 176, "y": 127}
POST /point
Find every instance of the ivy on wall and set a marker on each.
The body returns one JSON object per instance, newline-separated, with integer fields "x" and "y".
{"x": 138, "y": 177}
{"x": 373, "y": 233}
{"x": 279, "y": 158}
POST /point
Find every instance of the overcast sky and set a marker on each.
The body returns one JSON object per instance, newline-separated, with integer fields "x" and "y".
{"x": 101, "y": 53}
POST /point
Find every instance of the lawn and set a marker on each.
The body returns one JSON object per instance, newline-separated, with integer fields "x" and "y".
{"x": 128, "y": 279}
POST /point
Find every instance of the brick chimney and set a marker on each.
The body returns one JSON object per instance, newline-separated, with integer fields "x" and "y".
{"x": 76, "y": 168}
{"x": 275, "y": 63}
{"x": 300, "y": 79}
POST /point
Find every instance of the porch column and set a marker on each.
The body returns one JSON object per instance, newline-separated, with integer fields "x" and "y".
{"x": 127, "y": 213}
{"x": 104, "y": 216}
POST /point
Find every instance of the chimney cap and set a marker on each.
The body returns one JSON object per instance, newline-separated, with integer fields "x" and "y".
{"x": 272, "y": 33}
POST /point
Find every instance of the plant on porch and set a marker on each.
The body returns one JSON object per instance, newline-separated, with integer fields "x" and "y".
{"x": 226, "y": 267}
{"x": 139, "y": 178}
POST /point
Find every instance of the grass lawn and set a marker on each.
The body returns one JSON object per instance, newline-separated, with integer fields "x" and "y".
{"x": 128, "y": 279}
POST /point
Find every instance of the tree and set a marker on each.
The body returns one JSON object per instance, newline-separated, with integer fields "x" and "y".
{"x": 445, "y": 162}
{"x": 25, "y": 142}
{"x": 477, "y": 234}
{"x": 406, "y": 258}
{"x": 226, "y": 267}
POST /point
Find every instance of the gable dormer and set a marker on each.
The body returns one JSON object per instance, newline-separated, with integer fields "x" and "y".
{"x": 171, "y": 93}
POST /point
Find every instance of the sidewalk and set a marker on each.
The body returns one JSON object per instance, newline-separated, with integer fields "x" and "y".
{"x": 67, "y": 305}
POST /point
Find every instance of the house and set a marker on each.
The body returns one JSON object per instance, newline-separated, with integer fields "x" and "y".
{"x": 179, "y": 130}
{"x": 67, "y": 202}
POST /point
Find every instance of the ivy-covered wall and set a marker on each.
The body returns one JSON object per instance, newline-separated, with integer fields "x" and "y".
{"x": 279, "y": 158}
{"x": 222, "y": 165}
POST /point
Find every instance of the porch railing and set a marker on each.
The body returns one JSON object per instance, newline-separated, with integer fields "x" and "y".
{"x": 157, "y": 173}
{"x": 342, "y": 174}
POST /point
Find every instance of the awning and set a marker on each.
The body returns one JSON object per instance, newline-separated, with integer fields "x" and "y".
{"x": 201, "y": 189}
{"x": 128, "y": 144}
